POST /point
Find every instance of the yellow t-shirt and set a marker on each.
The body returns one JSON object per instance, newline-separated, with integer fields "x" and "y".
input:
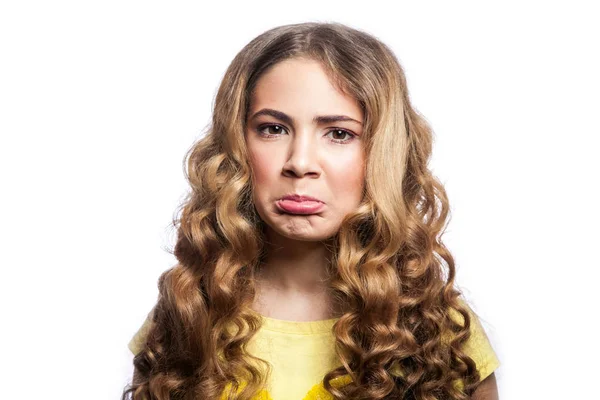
{"x": 302, "y": 352}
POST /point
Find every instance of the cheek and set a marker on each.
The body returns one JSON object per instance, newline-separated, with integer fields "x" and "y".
{"x": 348, "y": 187}
{"x": 347, "y": 176}
{"x": 263, "y": 167}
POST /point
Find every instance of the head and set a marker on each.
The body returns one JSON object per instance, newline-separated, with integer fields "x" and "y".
{"x": 277, "y": 96}
{"x": 304, "y": 137}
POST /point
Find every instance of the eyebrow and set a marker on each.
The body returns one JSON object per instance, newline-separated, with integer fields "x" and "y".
{"x": 319, "y": 119}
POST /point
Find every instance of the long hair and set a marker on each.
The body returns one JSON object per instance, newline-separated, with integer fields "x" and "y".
{"x": 388, "y": 265}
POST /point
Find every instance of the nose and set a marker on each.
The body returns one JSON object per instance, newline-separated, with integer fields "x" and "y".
{"x": 302, "y": 156}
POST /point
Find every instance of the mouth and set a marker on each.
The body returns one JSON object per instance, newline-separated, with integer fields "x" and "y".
{"x": 304, "y": 207}
{"x": 300, "y": 197}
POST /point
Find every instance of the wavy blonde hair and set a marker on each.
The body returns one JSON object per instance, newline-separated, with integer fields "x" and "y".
{"x": 387, "y": 264}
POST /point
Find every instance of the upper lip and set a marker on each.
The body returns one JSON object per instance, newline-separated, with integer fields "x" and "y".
{"x": 299, "y": 197}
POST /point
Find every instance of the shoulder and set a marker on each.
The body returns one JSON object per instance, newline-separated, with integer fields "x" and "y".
{"x": 478, "y": 345}
{"x": 138, "y": 341}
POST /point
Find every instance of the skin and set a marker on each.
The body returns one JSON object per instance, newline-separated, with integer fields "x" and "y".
{"x": 487, "y": 389}
{"x": 301, "y": 156}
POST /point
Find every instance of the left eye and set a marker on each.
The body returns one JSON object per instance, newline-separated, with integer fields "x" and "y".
{"x": 339, "y": 131}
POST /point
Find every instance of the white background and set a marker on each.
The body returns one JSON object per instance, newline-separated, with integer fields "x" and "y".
{"x": 99, "y": 101}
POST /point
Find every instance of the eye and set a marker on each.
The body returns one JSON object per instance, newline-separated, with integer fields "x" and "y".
{"x": 270, "y": 131}
{"x": 275, "y": 129}
{"x": 342, "y": 132}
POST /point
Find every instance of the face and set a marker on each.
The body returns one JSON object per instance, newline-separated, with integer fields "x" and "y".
{"x": 304, "y": 137}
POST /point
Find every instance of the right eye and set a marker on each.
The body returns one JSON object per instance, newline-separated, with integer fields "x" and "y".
{"x": 277, "y": 129}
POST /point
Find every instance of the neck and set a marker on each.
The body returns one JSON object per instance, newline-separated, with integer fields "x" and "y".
{"x": 294, "y": 266}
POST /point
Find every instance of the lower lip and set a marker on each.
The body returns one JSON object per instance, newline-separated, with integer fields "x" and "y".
{"x": 300, "y": 207}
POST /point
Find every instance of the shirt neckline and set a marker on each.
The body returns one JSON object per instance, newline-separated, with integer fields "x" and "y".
{"x": 298, "y": 327}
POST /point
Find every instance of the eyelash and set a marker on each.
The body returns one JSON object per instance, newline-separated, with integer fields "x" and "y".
{"x": 337, "y": 141}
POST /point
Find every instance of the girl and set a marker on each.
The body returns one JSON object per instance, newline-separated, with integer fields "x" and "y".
{"x": 310, "y": 264}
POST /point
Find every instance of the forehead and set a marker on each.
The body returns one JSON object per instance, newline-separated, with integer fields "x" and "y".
{"x": 302, "y": 87}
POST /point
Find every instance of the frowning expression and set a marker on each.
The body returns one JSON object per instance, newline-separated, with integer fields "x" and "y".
{"x": 304, "y": 137}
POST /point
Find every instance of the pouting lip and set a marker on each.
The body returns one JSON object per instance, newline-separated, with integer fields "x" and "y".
{"x": 299, "y": 197}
